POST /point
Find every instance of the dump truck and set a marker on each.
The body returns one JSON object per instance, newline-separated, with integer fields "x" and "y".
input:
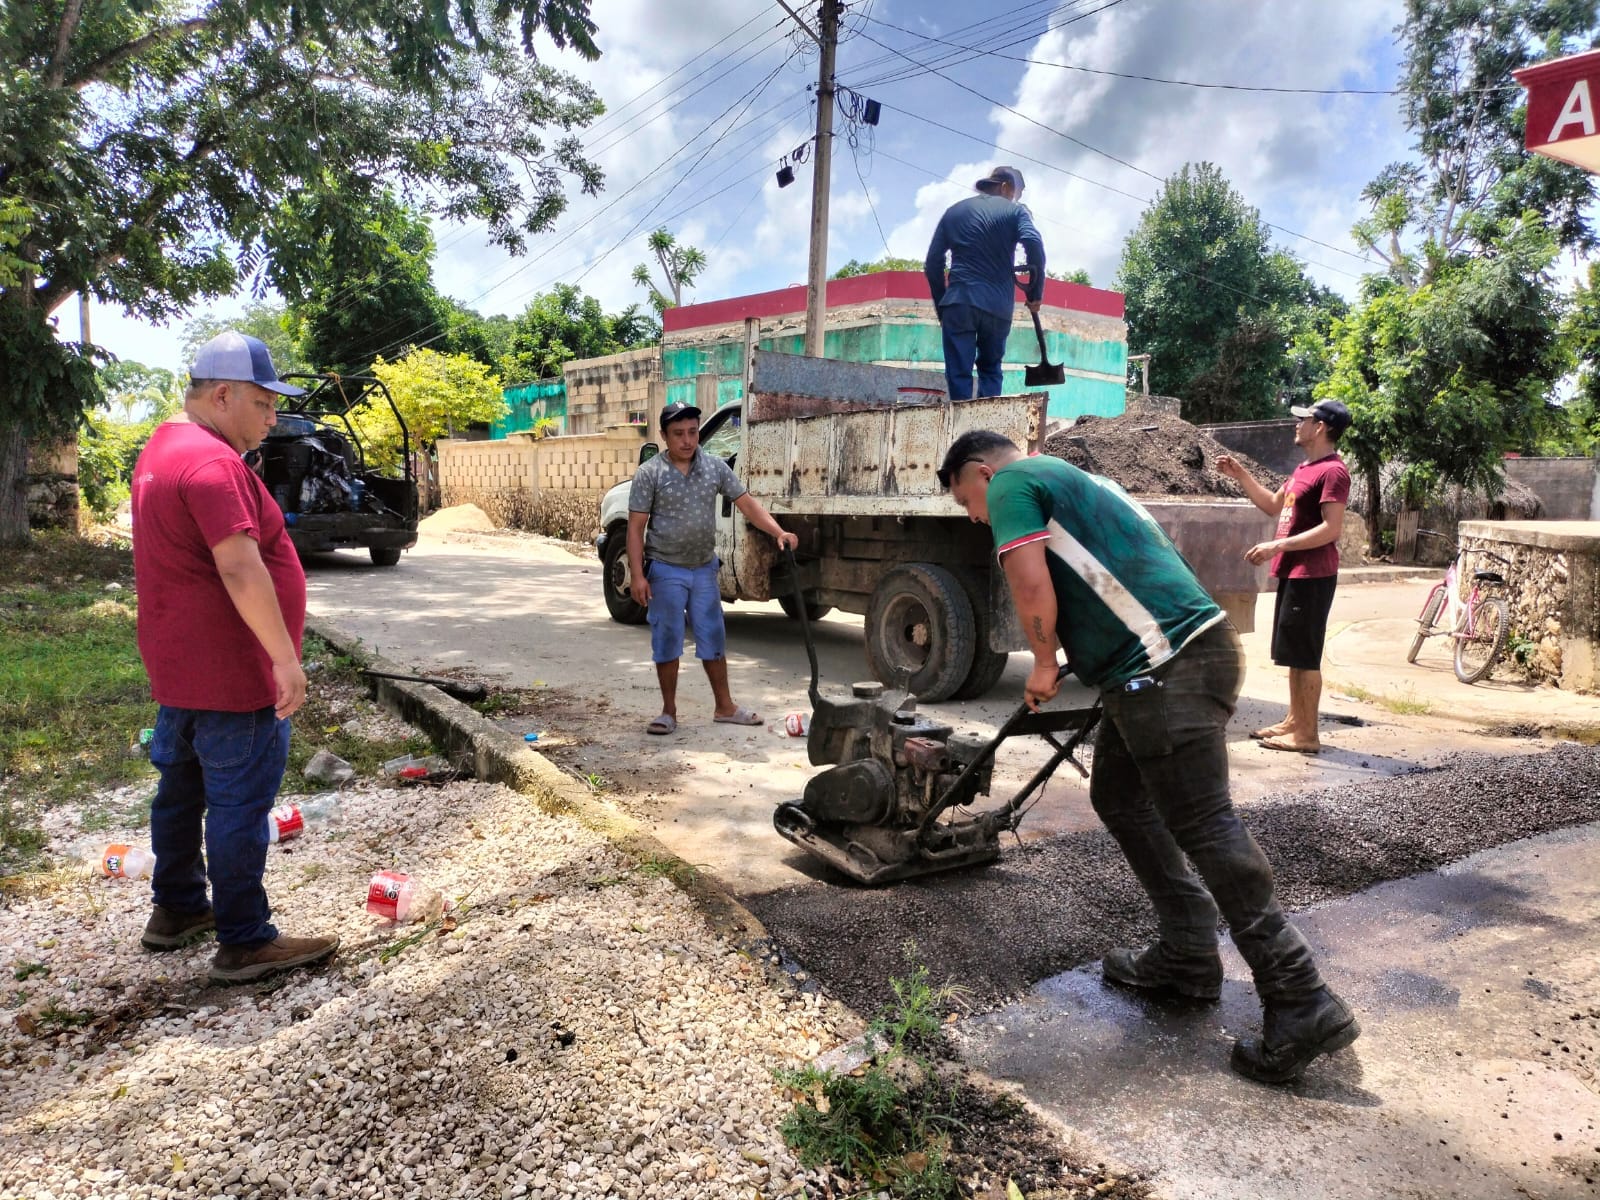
{"x": 844, "y": 455}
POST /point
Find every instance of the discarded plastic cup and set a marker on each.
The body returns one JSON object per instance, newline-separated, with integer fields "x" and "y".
{"x": 284, "y": 822}
{"x": 125, "y": 862}
{"x": 415, "y": 766}
{"x": 395, "y": 896}
{"x": 797, "y": 724}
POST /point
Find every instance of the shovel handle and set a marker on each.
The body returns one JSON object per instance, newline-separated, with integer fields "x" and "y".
{"x": 1039, "y": 329}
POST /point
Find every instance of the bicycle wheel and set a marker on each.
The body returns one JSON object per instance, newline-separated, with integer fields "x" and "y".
{"x": 1476, "y": 652}
{"x": 1426, "y": 622}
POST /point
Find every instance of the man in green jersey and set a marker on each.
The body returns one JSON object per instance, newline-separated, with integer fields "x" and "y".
{"x": 1091, "y": 572}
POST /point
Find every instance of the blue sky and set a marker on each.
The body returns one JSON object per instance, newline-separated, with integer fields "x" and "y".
{"x": 703, "y": 107}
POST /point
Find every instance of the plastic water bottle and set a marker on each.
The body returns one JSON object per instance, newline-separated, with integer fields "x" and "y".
{"x": 324, "y": 808}
{"x": 283, "y": 823}
{"x": 396, "y": 896}
{"x": 119, "y": 861}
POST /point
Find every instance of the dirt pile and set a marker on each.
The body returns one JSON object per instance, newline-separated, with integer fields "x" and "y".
{"x": 1153, "y": 454}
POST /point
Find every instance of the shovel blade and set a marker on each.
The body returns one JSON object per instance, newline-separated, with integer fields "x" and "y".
{"x": 1044, "y": 375}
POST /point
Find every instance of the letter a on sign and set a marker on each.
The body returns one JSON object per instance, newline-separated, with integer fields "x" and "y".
{"x": 1578, "y": 110}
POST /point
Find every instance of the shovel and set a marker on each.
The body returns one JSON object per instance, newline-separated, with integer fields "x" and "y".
{"x": 450, "y": 687}
{"x": 1046, "y": 373}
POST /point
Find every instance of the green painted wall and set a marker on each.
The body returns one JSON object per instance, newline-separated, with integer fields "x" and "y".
{"x": 920, "y": 344}
{"x": 529, "y": 402}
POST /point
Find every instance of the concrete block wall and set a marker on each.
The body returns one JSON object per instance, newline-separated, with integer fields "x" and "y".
{"x": 618, "y": 389}
{"x": 1568, "y": 488}
{"x": 551, "y": 486}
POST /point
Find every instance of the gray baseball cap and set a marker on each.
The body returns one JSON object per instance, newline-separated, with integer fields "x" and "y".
{"x": 237, "y": 356}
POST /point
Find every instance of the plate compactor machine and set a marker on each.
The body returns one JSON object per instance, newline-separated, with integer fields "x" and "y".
{"x": 897, "y": 800}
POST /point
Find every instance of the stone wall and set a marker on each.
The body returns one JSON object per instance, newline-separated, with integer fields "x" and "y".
{"x": 550, "y": 485}
{"x": 1553, "y": 592}
{"x": 53, "y": 501}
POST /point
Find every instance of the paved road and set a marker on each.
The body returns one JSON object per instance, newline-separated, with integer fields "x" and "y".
{"x": 530, "y": 614}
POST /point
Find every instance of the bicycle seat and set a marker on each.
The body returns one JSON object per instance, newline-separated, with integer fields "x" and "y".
{"x": 1488, "y": 577}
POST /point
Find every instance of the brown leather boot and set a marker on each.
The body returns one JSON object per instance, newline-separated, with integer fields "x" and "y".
{"x": 168, "y": 930}
{"x": 241, "y": 964}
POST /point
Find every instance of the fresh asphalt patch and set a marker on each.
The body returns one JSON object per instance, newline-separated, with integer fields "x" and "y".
{"x": 1055, "y": 904}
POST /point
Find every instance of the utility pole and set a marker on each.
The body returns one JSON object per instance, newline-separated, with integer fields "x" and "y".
{"x": 821, "y": 179}
{"x": 83, "y": 317}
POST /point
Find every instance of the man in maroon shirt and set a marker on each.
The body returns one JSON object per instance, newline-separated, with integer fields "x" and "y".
{"x": 1305, "y": 560}
{"x": 222, "y": 603}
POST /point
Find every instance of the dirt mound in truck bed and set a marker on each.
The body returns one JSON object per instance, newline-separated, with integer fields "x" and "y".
{"x": 1153, "y": 455}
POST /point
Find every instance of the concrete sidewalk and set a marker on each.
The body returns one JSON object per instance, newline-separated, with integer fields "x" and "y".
{"x": 1475, "y": 1075}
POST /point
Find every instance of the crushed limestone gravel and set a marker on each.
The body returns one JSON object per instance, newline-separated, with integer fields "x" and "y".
{"x": 580, "y": 1031}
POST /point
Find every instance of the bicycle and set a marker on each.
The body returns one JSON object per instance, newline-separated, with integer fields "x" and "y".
{"x": 1480, "y": 625}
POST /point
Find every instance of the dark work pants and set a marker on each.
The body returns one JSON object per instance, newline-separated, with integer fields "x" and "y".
{"x": 1160, "y": 784}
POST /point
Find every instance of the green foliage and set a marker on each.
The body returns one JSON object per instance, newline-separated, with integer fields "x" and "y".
{"x": 107, "y": 451}
{"x": 263, "y": 319}
{"x": 366, "y": 289}
{"x": 1210, "y": 299}
{"x": 563, "y": 324}
{"x": 436, "y": 394}
{"x": 1472, "y": 177}
{"x": 1579, "y": 430}
{"x": 680, "y": 266}
{"x": 888, "y": 263}
{"x": 878, "y": 1126}
{"x": 151, "y": 151}
{"x": 1077, "y": 276}
{"x": 1448, "y": 376}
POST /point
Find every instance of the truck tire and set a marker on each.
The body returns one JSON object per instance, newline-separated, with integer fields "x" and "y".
{"x": 987, "y": 665}
{"x": 616, "y": 579}
{"x": 384, "y": 556}
{"x": 814, "y": 612}
{"x": 920, "y": 631}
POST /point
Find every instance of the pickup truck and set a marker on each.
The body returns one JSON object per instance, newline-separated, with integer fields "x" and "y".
{"x": 844, "y": 455}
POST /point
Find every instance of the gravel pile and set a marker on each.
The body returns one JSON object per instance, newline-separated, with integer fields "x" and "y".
{"x": 574, "y": 1030}
{"x": 1153, "y": 454}
{"x": 1056, "y": 904}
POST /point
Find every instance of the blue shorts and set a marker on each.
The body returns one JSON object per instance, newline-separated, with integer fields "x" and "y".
{"x": 676, "y": 592}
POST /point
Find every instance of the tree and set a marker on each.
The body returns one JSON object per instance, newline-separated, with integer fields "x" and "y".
{"x": 147, "y": 152}
{"x": 1447, "y": 376}
{"x": 140, "y": 392}
{"x": 563, "y": 324}
{"x": 1580, "y": 331}
{"x": 1209, "y": 298}
{"x": 888, "y": 263}
{"x": 437, "y": 394}
{"x": 1472, "y": 176}
{"x": 1077, "y": 276}
{"x": 264, "y": 319}
{"x": 679, "y": 266}
{"x": 364, "y": 285}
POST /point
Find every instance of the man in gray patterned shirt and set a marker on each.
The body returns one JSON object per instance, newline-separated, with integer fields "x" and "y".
{"x": 672, "y": 515}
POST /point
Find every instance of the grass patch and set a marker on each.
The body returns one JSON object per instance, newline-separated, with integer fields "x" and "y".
{"x": 887, "y": 1125}
{"x": 1404, "y": 706}
{"x": 74, "y": 696}
{"x": 655, "y": 867}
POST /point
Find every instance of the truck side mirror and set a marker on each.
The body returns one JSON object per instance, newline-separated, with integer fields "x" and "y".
{"x": 648, "y": 451}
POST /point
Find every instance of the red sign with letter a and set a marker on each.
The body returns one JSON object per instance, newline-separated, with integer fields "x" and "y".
{"x": 1563, "y": 118}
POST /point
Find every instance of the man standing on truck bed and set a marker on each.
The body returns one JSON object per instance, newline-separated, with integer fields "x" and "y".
{"x": 1091, "y": 571}
{"x": 980, "y": 236}
{"x": 1305, "y": 561}
{"x": 672, "y": 543}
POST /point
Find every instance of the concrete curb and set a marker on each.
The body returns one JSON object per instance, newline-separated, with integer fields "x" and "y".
{"x": 1384, "y": 573}
{"x": 468, "y": 740}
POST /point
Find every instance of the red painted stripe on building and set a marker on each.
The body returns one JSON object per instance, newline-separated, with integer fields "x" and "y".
{"x": 863, "y": 289}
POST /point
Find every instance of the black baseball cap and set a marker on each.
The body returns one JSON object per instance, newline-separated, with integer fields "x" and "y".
{"x": 1331, "y": 413}
{"x": 677, "y": 412}
{"x": 1000, "y": 175}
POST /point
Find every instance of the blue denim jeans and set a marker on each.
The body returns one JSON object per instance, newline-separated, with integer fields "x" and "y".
{"x": 220, "y": 771}
{"x": 970, "y": 333}
{"x": 680, "y": 593}
{"x": 1160, "y": 784}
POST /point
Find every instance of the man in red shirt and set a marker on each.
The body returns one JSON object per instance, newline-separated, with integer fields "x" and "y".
{"x": 1305, "y": 560}
{"x": 222, "y": 603}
